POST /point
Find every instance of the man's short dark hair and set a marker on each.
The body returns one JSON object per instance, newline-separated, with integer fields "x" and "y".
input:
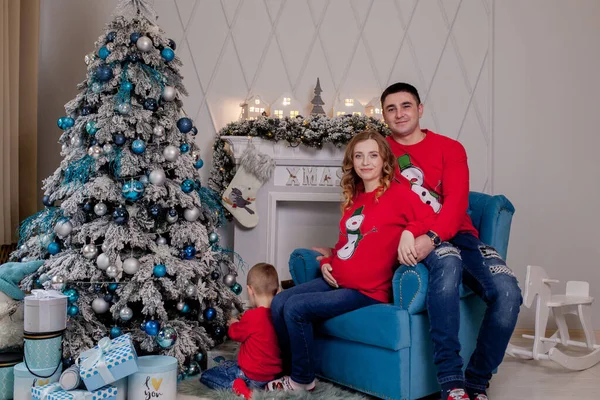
{"x": 400, "y": 87}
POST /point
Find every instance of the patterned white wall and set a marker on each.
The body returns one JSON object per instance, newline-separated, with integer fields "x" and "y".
{"x": 233, "y": 49}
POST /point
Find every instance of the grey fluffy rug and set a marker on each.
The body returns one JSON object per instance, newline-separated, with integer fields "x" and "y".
{"x": 323, "y": 390}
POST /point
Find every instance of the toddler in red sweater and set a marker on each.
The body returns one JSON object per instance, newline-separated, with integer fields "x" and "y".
{"x": 259, "y": 358}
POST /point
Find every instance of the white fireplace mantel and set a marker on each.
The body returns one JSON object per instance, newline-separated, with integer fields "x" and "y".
{"x": 310, "y": 203}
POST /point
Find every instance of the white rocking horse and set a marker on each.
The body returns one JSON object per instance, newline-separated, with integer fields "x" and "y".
{"x": 575, "y": 301}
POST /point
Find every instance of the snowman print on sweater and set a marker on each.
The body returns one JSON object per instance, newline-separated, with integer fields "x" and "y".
{"x": 353, "y": 234}
{"x": 416, "y": 178}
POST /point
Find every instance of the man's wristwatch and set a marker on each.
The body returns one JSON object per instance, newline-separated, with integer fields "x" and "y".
{"x": 435, "y": 239}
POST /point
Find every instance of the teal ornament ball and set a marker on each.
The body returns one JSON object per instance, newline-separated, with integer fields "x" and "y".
{"x": 72, "y": 295}
{"x": 193, "y": 369}
{"x": 138, "y": 146}
{"x": 187, "y": 186}
{"x": 73, "y": 310}
{"x": 237, "y": 289}
{"x": 213, "y": 238}
{"x": 167, "y": 54}
{"x": 112, "y": 287}
{"x": 199, "y": 164}
{"x": 184, "y": 148}
{"x": 115, "y": 332}
{"x": 133, "y": 190}
{"x": 127, "y": 86}
{"x": 199, "y": 357}
{"x": 103, "y": 52}
{"x": 90, "y": 127}
{"x": 54, "y": 248}
{"x": 159, "y": 270}
{"x": 166, "y": 337}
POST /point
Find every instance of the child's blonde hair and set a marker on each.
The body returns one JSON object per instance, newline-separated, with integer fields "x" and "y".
{"x": 263, "y": 279}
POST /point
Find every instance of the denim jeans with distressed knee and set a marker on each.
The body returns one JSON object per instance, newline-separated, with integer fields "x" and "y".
{"x": 479, "y": 266}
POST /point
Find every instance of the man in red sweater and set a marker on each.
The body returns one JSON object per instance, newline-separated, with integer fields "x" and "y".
{"x": 259, "y": 359}
{"x": 435, "y": 167}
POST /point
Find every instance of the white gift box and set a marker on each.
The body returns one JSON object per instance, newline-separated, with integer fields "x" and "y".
{"x": 45, "y": 311}
{"x": 155, "y": 379}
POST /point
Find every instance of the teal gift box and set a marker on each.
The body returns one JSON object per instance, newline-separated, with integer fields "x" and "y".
{"x": 7, "y": 365}
{"x": 53, "y": 391}
{"x": 43, "y": 350}
{"x": 108, "y": 362}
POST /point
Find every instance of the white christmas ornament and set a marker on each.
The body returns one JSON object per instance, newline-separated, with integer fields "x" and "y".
{"x": 169, "y": 93}
{"x": 191, "y": 214}
{"x": 171, "y": 153}
{"x": 131, "y": 266}
{"x": 100, "y": 306}
{"x": 102, "y": 262}
{"x": 95, "y": 151}
{"x": 161, "y": 240}
{"x": 112, "y": 271}
{"x": 63, "y": 228}
{"x": 159, "y": 131}
{"x": 100, "y": 209}
{"x": 157, "y": 177}
{"x": 90, "y": 251}
{"x": 144, "y": 44}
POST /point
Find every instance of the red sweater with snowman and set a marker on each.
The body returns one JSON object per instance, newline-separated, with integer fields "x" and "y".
{"x": 366, "y": 253}
{"x": 437, "y": 171}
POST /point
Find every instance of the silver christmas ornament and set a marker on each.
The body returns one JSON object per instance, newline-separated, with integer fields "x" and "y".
{"x": 100, "y": 306}
{"x": 143, "y": 180}
{"x": 102, "y": 262}
{"x": 126, "y": 313}
{"x": 124, "y": 108}
{"x": 229, "y": 280}
{"x": 191, "y": 214}
{"x": 100, "y": 209}
{"x": 161, "y": 240}
{"x": 95, "y": 151}
{"x": 180, "y": 305}
{"x": 76, "y": 141}
{"x": 58, "y": 282}
{"x": 90, "y": 251}
{"x": 105, "y": 247}
{"x": 63, "y": 228}
{"x": 169, "y": 93}
{"x": 108, "y": 148}
{"x": 159, "y": 131}
{"x": 64, "y": 147}
{"x": 190, "y": 291}
{"x": 89, "y": 58}
{"x": 144, "y": 44}
{"x": 157, "y": 177}
{"x": 112, "y": 271}
{"x": 171, "y": 153}
{"x": 131, "y": 265}
{"x": 45, "y": 240}
{"x": 172, "y": 219}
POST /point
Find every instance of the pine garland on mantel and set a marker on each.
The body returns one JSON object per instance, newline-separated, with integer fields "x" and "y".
{"x": 314, "y": 131}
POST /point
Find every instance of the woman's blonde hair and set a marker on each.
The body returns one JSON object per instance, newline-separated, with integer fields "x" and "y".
{"x": 350, "y": 178}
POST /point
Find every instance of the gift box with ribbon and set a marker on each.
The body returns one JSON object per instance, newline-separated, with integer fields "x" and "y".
{"x": 45, "y": 311}
{"x": 108, "y": 362}
{"x": 53, "y": 391}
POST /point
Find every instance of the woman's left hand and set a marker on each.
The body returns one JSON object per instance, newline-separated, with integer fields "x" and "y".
{"x": 407, "y": 254}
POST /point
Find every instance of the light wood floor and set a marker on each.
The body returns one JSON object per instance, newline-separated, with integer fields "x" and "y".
{"x": 535, "y": 380}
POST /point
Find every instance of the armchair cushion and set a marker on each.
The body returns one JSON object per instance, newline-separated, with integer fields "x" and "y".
{"x": 304, "y": 266}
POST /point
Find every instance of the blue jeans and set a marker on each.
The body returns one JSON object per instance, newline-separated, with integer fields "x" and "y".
{"x": 223, "y": 375}
{"x": 465, "y": 258}
{"x": 294, "y": 312}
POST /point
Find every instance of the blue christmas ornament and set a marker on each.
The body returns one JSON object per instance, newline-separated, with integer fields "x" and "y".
{"x": 155, "y": 210}
{"x": 73, "y": 310}
{"x": 194, "y": 131}
{"x": 159, "y": 270}
{"x": 210, "y": 314}
{"x": 115, "y": 332}
{"x": 86, "y": 110}
{"x": 104, "y": 73}
{"x": 187, "y": 186}
{"x": 93, "y": 142}
{"x": 189, "y": 252}
{"x": 119, "y": 139}
{"x": 143, "y": 326}
{"x": 134, "y": 57}
{"x": 167, "y": 54}
{"x": 103, "y": 52}
{"x": 112, "y": 287}
{"x": 88, "y": 206}
{"x": 173, "y": 212}
{"x": 150, "y": 104}
{"x": 108, "y": 297}
{"x": 184, "y": 148}
{"x": 67, "y": 362}
{"x": 133, "y": 190}
{"x": 120, "y": 216}
{"x": 138, "y": 146}
{"x": 237, "y": 288}
{"x": 111, "y": 36}
{"x": 97, "y": 288}
{"x": 72, "y": 295}
{"x": 215, "y": 275}
{"x": 54, "y": 248}
{"x": 46, "y": 201}
{"x": 166, "y": 337}
{"x": 186, "y": 309}
{"x": 184, "y": 125}
{"x": 172, "y": 44}
{"x": 219, "y": 332}
{"x": 134, "y": 37}
{"x": 127, "y": 86}
{"x": 199, "y": 164}
{"x": 152, "y": 327}
{"x": 90, "y": 127}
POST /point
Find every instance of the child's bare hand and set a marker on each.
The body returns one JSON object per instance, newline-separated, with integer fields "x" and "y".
{"x": 232, "y": 320}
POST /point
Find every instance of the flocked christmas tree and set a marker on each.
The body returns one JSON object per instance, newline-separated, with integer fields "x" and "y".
{"x": 128, "y": 232}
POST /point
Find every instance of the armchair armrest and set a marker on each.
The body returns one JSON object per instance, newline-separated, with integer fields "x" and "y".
{"x": 304, "y": 266}
{"x": 409, "y": 287}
